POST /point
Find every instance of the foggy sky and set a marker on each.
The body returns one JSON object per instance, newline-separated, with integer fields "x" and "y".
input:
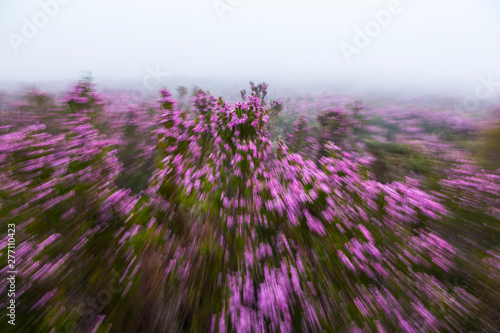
{"x": 433, "y": 43}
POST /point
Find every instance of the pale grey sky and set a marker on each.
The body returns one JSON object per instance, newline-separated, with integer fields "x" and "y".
{"x": 427, "y": 42}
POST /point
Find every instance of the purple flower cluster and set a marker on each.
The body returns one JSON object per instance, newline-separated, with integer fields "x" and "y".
{"x": 210, "y": 222}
